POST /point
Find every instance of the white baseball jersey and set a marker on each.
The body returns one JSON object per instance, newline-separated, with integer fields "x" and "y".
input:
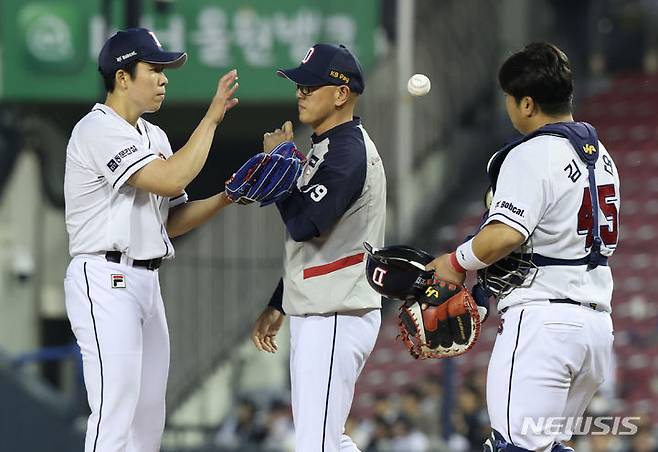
{"x": 543, "y": 193}
{"x": 103, "y": 212}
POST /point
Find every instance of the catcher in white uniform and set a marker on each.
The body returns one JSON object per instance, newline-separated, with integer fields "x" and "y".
{"x": 125, "y": 198}
{"x": 543, "y": 253}
{"x": 338, "y": 203}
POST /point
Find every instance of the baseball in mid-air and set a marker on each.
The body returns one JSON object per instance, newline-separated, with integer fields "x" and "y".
{"x": 419, "y": 85}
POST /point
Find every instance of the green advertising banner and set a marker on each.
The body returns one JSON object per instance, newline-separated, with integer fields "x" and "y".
{"x": 48, "y": 48}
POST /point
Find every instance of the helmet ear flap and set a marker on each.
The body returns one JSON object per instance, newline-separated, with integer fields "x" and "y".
{"x": 397, "y": 271}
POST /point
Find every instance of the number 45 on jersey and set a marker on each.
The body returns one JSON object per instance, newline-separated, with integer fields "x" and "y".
{"x": 608, "y": 232}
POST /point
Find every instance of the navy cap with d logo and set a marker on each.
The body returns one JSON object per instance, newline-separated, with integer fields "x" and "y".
{"x": 136, "y": 44}
{"x": 327, "y": 64}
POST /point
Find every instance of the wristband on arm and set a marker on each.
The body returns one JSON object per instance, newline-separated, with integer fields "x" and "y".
{"x": 464, "y": 259}
{"x": 455, "y": 263}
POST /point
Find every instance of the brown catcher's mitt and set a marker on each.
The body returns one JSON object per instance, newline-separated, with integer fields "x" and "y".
{"x": 443, "y": 321}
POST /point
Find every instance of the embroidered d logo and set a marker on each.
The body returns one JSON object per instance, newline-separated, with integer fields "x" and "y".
{"x": 308, "y": 55}
{"x": 378, "y": 276}
{"x": 155, "y": 38}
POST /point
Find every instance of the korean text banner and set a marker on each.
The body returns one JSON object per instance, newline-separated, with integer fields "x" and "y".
{"x": 49, "y": 48}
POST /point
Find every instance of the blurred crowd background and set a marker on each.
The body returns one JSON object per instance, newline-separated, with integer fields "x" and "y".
{"x": 223, "y": 395}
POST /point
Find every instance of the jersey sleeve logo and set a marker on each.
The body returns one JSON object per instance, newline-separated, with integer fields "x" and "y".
{"x": 516, "y": 210}
{"x": 126, "y": 152}
{"x": 112, "y": 165}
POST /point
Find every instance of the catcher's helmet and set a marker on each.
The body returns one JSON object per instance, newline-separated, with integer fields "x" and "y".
{"x": 398, "y": 271}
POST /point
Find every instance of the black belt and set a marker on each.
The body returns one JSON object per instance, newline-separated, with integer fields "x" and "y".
{"x": 562, "y": 300}
{"x": 570, "y": 301}
{"x": 149, "y": 264}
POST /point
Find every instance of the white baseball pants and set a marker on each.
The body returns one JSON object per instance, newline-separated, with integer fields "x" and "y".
{"x": 548, "y": 361}
{"x": 327, "y": 354}
{"x": 122, "y": 333}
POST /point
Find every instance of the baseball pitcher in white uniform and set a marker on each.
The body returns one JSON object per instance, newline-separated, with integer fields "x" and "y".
{"x": 543, "y": 253}
{"x": 339, "y": 202}
{"x": 125, "y": 198}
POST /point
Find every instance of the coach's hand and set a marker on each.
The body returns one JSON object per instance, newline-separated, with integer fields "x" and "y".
{"x": 267, "y": 326}
{"x": 273, "y": 139}
{"x": 223, "y": 100}
{"x": 444, "y": 270}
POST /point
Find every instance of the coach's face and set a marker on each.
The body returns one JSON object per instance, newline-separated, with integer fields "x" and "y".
{"x": 314, "y": 103}
{"x": 318, "y": 103}
{"x": 147, "y": 90}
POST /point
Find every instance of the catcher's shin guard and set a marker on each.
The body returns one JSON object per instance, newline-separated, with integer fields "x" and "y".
{"x": 496, "y": 443}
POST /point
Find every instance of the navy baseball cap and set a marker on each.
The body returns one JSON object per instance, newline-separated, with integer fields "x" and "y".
{"x": 136, "y": 44}
{"x": 327, "y": 64}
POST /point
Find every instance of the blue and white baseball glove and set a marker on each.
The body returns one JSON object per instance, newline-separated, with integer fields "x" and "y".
{"x": 266, "y": 177}
{"x": 288, "y": 149}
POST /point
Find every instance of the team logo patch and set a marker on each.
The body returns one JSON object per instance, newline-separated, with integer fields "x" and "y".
{"x": 112, "y": 165}
{"x": 117, "y": 281}
{"x": 589, "y": 149}
{"x": 126, "y": 152}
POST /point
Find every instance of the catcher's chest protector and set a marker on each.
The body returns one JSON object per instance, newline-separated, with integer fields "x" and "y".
{"x": 542, "y": 189}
